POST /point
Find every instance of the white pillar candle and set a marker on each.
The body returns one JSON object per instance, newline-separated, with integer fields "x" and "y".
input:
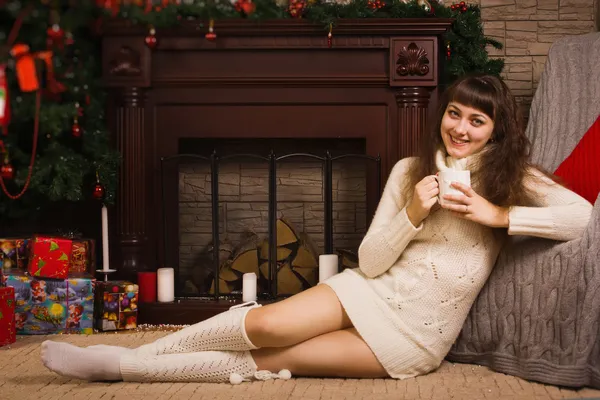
{"x": 328, "y": 266}
{"x": 165, "y": 285}
{"x": 249, "y": 287}
{"x": 105, "y": 257}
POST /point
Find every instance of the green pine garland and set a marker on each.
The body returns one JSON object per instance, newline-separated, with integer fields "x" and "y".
{"x": 466, "y": 38}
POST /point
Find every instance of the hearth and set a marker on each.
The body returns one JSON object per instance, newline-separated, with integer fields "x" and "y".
{"x": 234, "y": 207}
{"x": 263, "y": 83}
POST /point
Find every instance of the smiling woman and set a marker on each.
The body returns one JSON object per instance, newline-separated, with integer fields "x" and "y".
{"x": 479, "y": 116}
{"x": 420, "y": 269}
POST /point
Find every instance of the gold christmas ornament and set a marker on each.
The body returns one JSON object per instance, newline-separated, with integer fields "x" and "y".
{"x": 425, "y": 4}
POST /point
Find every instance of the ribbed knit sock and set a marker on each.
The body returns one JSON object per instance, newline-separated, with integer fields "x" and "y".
{"x": 75, "y": 362}
{"x": 225, "y": 331}
{"x": 206, "y": 366}
{"x": 111, "y": 349}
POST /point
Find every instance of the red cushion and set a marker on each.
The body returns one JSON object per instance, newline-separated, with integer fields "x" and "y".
{"x": 581, "y": 170}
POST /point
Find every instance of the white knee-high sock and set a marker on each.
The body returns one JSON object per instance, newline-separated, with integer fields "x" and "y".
{"x": 75, "y": 362}
{"x": 225, "y": 331}
{"x": 110, "y": 349}
{"x": 206, "y": 366}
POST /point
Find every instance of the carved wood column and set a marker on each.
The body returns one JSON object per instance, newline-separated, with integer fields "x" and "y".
{"x": 131, "y": 197}
{"x": 413, "y": 67}
{"x": 126, "y": 65}
{"x": 412, "y": 118}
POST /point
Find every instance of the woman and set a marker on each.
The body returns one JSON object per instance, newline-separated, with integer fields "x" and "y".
{"x": 421, "y": 267}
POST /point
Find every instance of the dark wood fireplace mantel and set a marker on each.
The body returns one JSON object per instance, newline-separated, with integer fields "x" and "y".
{"x": 272, "y": 79}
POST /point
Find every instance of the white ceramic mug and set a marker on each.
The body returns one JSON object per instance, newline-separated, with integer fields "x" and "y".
{"x": 445, "y": 179}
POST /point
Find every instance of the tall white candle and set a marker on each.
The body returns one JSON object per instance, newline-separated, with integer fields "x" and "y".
{"x": 165, "y": 284}
{"x": 249, "y": 287}
{"x": 328, "y": 266}
{"x": 105, "y": 258}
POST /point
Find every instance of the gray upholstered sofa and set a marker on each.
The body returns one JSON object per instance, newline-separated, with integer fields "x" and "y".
{"x": 538, "y": 316}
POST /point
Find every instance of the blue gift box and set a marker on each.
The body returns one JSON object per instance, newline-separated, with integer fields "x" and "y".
{"x": 46, "y": 306}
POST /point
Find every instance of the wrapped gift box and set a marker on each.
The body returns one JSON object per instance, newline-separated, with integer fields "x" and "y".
{"x": 83, "y": 256}
{"x": 45, "y": 306}
{"x": 7, "y": 316}
{"x": 14, "y": 253}
{"x": 50, "y": 257}
{"x": 116, "y": 305}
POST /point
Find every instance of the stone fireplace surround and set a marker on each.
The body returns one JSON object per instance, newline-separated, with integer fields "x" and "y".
{"x": 274, "y": 79}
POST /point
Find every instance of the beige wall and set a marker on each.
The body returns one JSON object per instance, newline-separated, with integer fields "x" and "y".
{"x": 527, "y": 28}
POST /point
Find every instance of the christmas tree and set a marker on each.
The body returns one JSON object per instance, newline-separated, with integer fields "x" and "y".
{"x": 54, "y": 140}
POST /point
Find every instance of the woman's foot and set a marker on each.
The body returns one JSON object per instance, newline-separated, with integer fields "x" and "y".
{"x": 75, "y": 362}
{"x": 118, "y": 350}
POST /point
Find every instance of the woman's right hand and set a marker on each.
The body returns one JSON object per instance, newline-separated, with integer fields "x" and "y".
{"x": 423, "y": 199}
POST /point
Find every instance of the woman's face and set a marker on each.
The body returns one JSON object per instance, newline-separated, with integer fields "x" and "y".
{"x": 465, "y": 130}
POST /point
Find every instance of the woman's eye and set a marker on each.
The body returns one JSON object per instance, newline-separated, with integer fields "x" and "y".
{"x": 477, "y": 122}
{"x": 453, "y": 113}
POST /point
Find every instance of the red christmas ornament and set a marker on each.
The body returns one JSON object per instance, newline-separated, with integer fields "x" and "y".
{"x": 150, "y": 40}
{"x": 375, "y": 4}
{"x": 56, "y": 37}
{"x": 330, "y": 36}
{"x": 245, "y": 7}
{"x": 7, "y": 171}
{"x": 461, "y": 7}
{"x": 76, "y": 129}
{"x": 448, "y": 50}
{"x": 211, "y": 35}
{"x": 98, "y": 189}
{"x": 296, "y": 8}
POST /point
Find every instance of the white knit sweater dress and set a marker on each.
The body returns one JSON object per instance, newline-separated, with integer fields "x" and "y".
{"x": 415, "y": 286}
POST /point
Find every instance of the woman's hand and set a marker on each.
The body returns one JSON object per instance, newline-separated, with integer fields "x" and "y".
{"x": 475, "y": 208}
{"x": 424, "y": 197}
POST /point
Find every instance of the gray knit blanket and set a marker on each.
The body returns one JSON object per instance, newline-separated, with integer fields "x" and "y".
{"x": 538, "y": 316}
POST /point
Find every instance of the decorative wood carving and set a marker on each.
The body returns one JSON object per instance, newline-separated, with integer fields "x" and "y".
{"x": 125, "y": 63}
{"x": 412, "y": 61}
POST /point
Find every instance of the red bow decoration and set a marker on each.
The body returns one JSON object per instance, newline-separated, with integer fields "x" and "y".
{"x": 26, "y": 71}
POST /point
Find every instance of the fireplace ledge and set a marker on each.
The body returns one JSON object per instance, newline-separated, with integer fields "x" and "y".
{"x": 185, "y": 311}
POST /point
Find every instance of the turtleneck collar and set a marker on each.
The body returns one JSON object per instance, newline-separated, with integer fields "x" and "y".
{"x": 443, "y": 161}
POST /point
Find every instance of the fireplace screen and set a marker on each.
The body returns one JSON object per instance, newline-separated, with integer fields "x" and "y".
{"x": 272, "y": 215}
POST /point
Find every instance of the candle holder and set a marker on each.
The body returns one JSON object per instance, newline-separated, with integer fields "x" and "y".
{"x": 106, "y": 272}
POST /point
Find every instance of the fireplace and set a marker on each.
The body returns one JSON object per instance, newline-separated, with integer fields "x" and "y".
{"x": 312, "y": 192}
{"x": 269, "y": 89}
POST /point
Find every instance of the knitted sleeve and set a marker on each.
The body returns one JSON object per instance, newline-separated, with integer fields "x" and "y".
{"x": 391, "y": 230}
{"x": 557, "y": 212}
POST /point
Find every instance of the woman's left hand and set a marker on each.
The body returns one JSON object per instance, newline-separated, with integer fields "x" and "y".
{"x": 473, "y": 207}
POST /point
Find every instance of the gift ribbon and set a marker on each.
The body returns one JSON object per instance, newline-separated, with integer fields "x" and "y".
{"x": 9, "y": 42}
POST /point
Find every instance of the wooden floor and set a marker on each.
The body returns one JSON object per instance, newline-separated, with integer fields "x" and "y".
{"x": 22, "y": 376}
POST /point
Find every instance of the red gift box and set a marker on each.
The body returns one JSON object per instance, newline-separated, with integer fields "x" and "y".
{"x": 50, "y": 257}
{"x": 7, "y": 316}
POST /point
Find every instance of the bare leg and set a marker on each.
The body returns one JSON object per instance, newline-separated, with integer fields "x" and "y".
{"x": 303, "y": 316}
{"x": 336, "y": 354}
{"x": 308, "y": 314}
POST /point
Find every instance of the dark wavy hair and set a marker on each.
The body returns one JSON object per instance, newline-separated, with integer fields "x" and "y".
{"x": 504, "y": 162}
